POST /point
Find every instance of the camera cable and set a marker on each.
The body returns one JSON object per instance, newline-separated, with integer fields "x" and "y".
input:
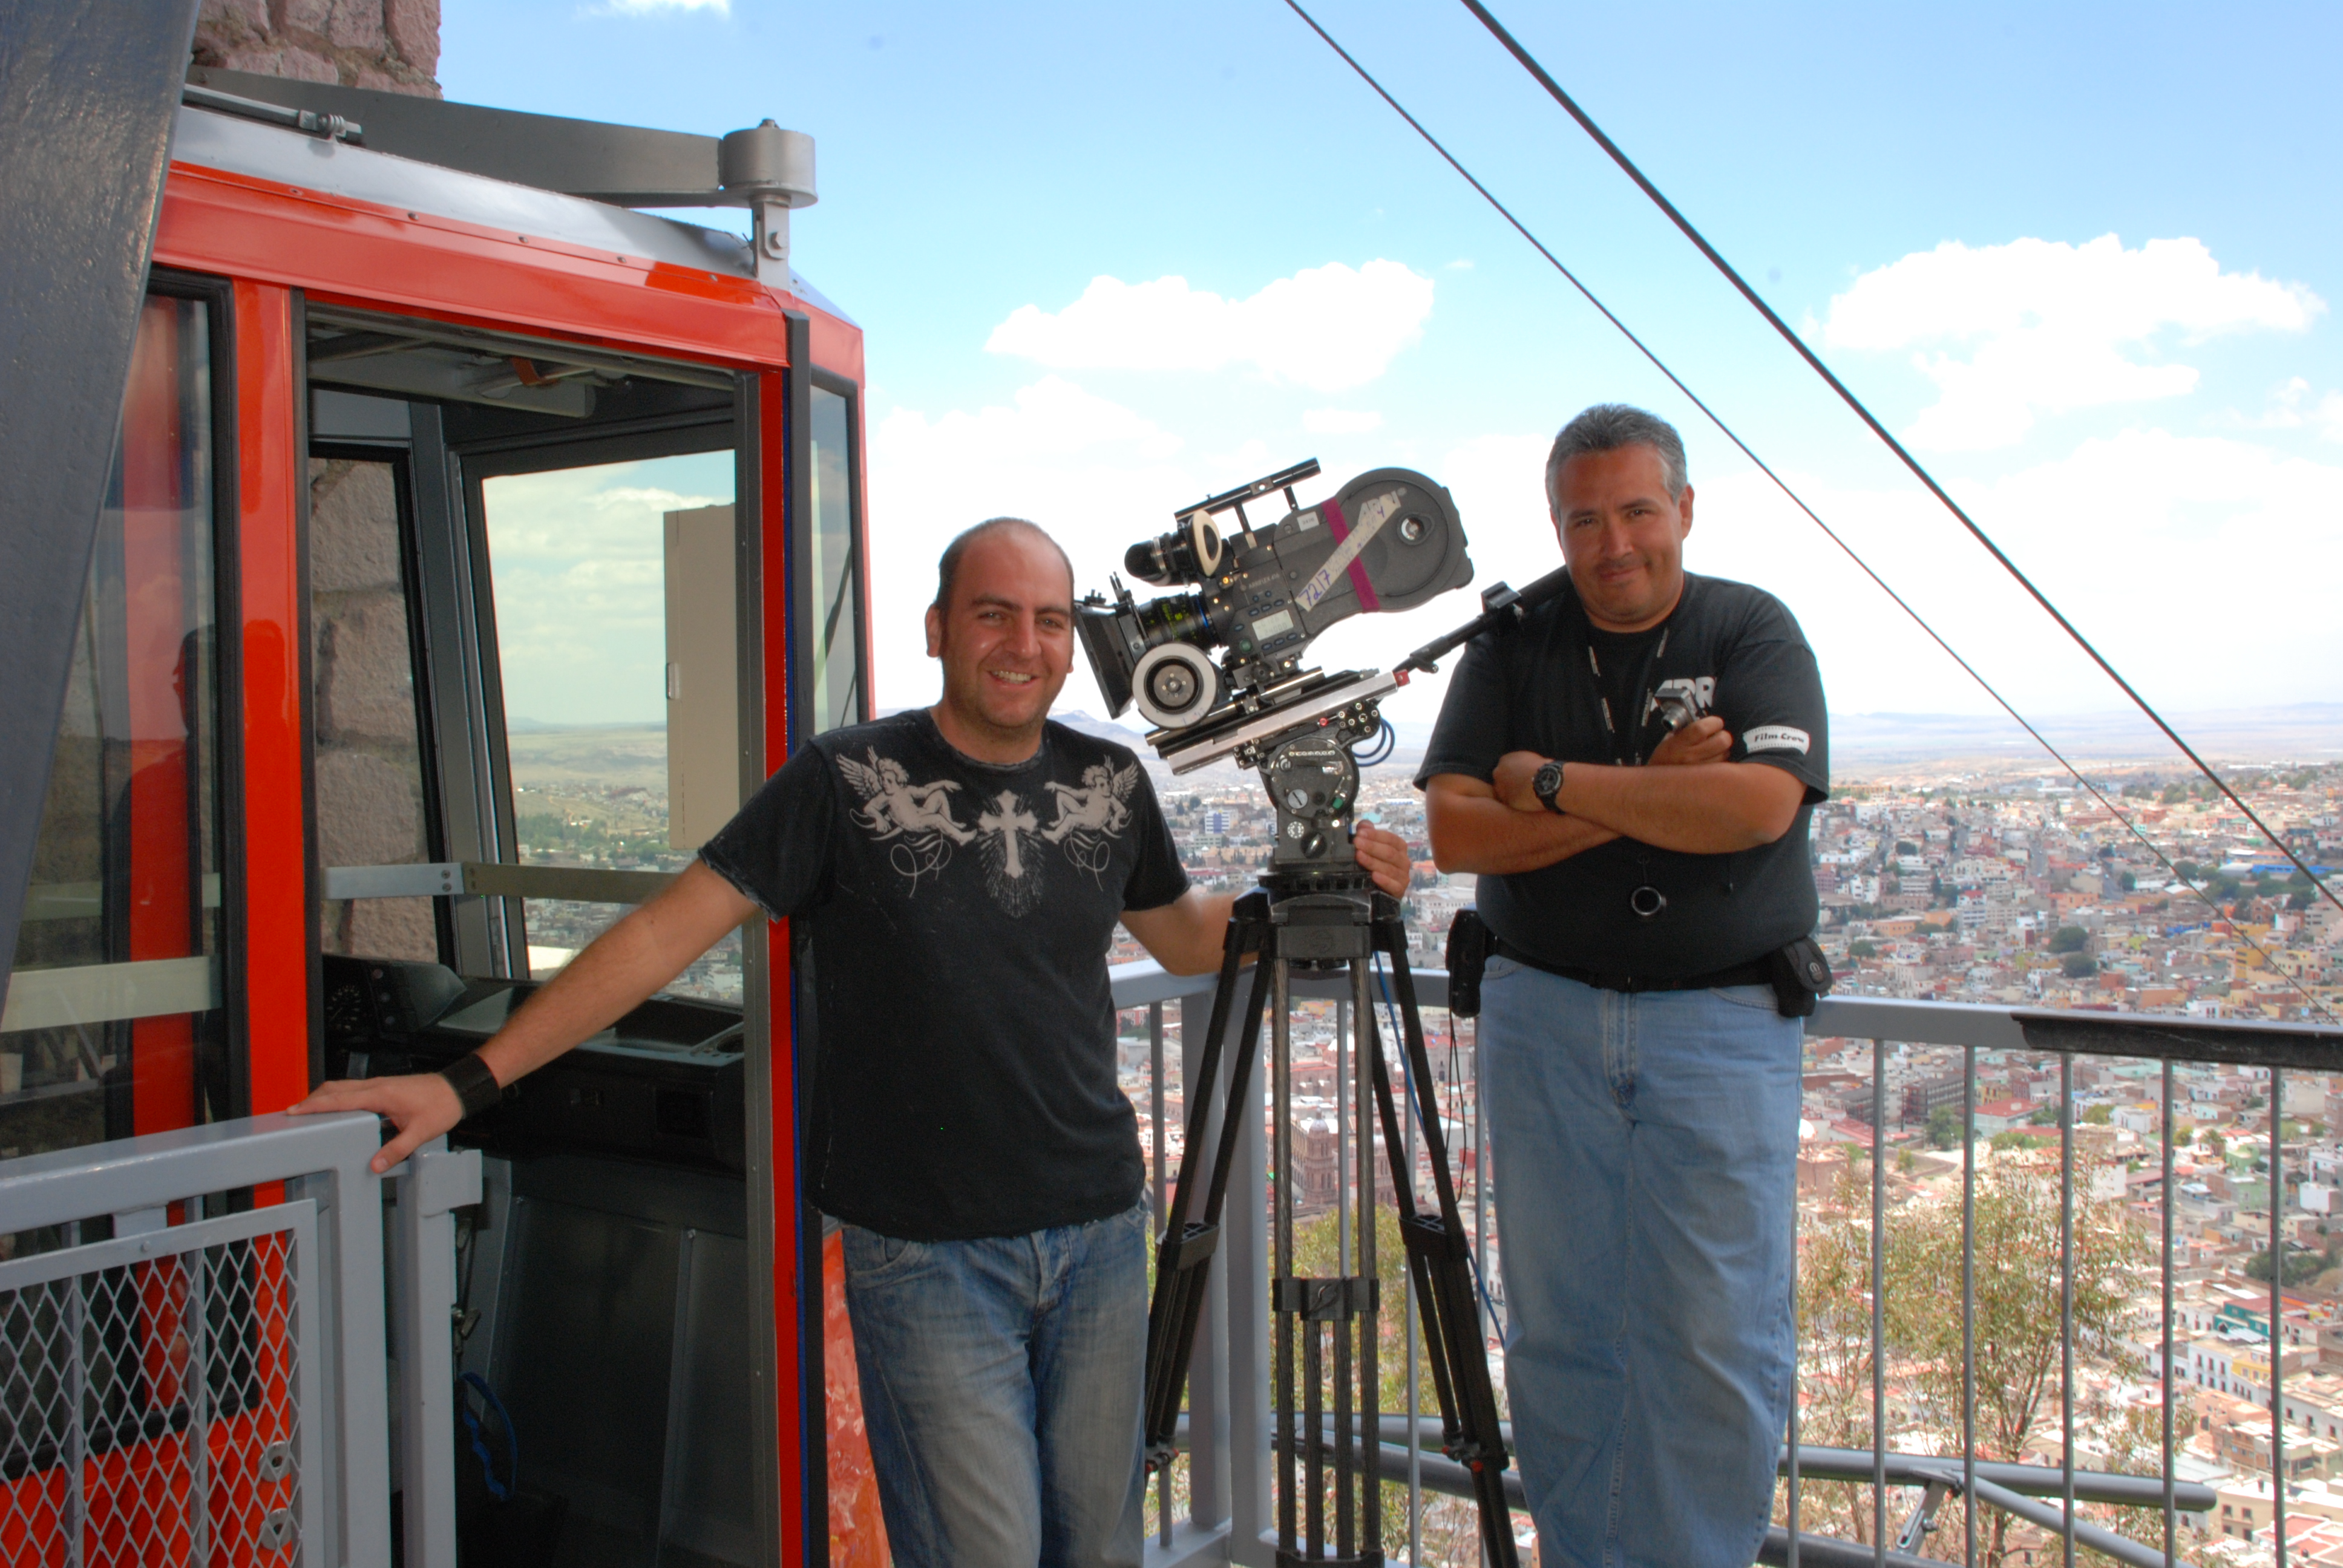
{"x": 1407, "y": 1082}
{"x": 1830, "y": 533}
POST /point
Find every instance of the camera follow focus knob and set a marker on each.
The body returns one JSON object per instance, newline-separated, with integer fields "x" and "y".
{"x": 1175, "y": 684}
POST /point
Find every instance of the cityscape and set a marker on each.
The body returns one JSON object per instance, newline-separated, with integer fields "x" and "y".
{"x": 1999, "y": 884}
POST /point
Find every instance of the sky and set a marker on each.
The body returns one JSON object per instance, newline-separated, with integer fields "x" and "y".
{"x": 2084, "y": 260}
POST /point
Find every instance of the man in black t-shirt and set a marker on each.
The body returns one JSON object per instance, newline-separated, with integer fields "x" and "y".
{"x": 957, "y": 873}
{"x": 1643, "y": 1085}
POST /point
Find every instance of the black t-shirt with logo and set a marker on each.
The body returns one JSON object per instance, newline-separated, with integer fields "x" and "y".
{"x": 1558, "y": 686}
{"x": 958, "y": 914}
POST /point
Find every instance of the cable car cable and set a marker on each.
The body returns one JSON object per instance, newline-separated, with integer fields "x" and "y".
{"x": 1586, "y": 122}
{"x": 1795, "y": 499}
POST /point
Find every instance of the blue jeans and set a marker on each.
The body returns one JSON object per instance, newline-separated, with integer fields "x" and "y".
{"x": 1644, "y": 1155}
{"x": 1001, "y": 1386}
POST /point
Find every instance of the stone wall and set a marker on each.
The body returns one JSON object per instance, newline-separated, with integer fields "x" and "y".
{"x": 369, "y": 756}
{"x": 392, "y": 45}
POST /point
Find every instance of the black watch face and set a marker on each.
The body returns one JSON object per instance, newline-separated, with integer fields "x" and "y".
{"x": 1547, "y": 783}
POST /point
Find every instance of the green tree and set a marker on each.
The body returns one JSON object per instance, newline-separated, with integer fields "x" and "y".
{"x": 1863, "y": 948}
{"x": 1905, "y": 1162}
{"x": 2078, "y": 966}
{"x": 1944, "y": 1127}
{"x": 2098, "y": 1115}
{"x": 2017, "y": 1311}
{"x": 2069, "y": 939}
{"x": 2301, "y": 1268}
{"x": 1834, "y": 1349}
{"x": 2047, "y": 1116}
{"x": 1449, "y": 1525}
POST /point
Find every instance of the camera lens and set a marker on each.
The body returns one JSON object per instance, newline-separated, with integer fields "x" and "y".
{"x": 1145, "y": 561}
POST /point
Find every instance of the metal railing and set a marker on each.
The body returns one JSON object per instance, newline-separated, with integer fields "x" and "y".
{"x": 192, "y": 1344}
{"x": 1228, "y": 1513}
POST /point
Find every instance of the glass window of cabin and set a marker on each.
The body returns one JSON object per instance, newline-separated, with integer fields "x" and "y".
{"x": 372, "y": 803}
{"x": 613, "y": 611}
{"x": 115, "y": 1021}
{"x": 830, "y": 601}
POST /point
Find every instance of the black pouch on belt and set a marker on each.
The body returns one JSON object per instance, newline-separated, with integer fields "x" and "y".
{"x": 1801, "y": 975}
{"x": 1468, "y": 955}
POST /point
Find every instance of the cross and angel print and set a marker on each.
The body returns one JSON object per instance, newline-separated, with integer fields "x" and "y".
{"x": 922, "y": 824}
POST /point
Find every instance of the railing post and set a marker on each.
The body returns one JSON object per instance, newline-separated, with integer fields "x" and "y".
{"x": 1227, "y": 1385}
{"x": 432, "y": 1183}
{"x": 2067, "y": 1302}
{"x": 1158, "y": 1199}
{"x": 1879, "y": 1301}
{"x": 77, "y": 1392}
{"x": 2171, "y": 1514}
{"x": 1969, "y": 1307}
{"x": 2277, "y": 1310}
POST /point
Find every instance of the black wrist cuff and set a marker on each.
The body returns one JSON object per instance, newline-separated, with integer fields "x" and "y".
{"x": 475, "y": 1087}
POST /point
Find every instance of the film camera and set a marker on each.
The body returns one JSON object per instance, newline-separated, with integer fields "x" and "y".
{"x": 1217, "y": 668}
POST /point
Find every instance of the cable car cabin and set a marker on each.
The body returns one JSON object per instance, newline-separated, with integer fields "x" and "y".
{"x": 471, "y": 548}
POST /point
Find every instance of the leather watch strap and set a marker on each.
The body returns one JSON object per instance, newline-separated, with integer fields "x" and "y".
{"x": 475, "y": 1087}
{"x": 1545, "y": 792}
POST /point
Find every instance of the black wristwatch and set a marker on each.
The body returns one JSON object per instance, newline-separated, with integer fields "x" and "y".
{"x": 1545, "y": 784}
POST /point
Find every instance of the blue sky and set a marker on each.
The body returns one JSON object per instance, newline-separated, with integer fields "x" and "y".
{"x": 2152, "y": 422}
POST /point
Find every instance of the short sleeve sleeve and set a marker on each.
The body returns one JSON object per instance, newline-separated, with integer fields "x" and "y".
{"x": 777, "y": 850}
{"x": 1471, "y": 734}
{"x": 1769, "y": 692}
{"x": 1156, "y": 876}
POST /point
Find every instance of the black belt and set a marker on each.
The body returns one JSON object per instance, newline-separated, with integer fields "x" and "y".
{"x": 1756, "y": 971}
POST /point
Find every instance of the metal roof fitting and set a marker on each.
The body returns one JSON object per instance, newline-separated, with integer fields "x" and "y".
{"x": 772, "y": 170}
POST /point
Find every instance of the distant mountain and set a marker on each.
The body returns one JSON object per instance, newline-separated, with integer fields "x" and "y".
{"x": 539, "y": 727}
{"x": 2306, "y": 731}
{"x": 1105, "y": 728}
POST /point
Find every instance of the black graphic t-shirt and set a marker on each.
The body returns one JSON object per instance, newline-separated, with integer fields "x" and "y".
{"x": 1558, "y": 686}
{"x": 957, "y": 913}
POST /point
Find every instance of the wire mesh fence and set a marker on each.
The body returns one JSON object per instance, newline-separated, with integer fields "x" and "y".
{"x": 153, "y": 1395}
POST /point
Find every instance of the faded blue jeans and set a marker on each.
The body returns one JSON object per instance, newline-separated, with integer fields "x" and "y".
{"x": 1001, "y": 1386}
{"x": 1644, "y": 1155}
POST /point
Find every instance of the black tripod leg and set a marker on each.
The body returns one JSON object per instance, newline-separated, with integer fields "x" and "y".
{"x": 1440, "y": 1268}
{"x": 1185, "y": 1252}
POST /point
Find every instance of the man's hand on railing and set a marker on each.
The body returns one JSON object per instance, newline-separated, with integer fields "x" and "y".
{"x": 421, "y": 1105}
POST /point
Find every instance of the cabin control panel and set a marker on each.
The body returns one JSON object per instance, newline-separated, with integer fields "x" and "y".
{"x": 665, "y": 1084}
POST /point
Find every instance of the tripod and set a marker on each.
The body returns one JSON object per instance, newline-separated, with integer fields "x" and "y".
{"x": 1325, "y": 1330}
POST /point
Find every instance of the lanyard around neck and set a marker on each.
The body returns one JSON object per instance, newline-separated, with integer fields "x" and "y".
{"x": 1642, "y": 709}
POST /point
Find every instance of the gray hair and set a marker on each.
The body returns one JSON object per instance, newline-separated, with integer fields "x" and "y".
{"x": 1608, "y": 426}
{"x": 948, "y": 567}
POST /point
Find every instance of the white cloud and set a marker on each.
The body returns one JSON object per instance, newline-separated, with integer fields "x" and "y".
{"x": 1096, "y": 475}
{"x": 1328, "y": 327}
{"x": 2181, "y": 556}
{"x": 2291, "y": 410}
{"x": 2037, "y": 326}
{"x": 1341, "y": 421}
{"x": 576, "y": 563}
